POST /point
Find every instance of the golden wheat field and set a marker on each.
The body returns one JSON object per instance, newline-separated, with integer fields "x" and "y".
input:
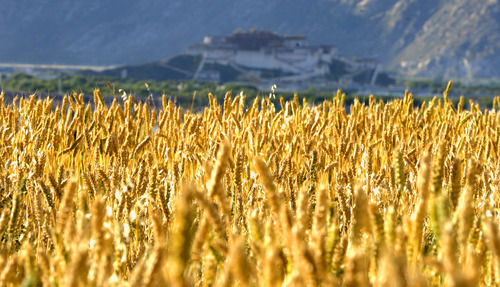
{"x": 249, "y": 194}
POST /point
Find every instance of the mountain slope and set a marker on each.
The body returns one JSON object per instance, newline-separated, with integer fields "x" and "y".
{"x": 461, "y": 38}
{"x": 454, "y": 38}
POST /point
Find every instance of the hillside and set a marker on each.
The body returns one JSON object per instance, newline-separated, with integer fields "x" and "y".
{"x": 455, "y": 38}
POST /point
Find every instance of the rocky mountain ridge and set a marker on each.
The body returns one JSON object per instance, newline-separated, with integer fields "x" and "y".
{"x": 425, "y": 38}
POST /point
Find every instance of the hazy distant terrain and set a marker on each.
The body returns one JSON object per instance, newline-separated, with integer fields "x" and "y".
{"x": 456, "y": 38}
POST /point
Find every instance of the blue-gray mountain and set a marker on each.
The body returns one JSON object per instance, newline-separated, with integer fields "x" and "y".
{"x": 453, "y": 38}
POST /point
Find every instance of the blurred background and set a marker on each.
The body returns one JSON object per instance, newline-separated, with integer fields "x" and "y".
{"x": 370, "y": 45}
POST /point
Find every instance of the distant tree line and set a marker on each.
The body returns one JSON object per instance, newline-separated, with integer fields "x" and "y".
{"x": 189, "y": 93}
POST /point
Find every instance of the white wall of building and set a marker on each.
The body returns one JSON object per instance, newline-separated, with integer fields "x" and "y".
{"x": 297, "y": 61}
{"x": 294, "y": 57}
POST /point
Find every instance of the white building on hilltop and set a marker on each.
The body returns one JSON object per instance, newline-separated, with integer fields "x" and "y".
{"x": 263, "y": 54}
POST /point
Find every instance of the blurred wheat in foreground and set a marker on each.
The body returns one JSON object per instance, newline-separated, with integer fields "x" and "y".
{"x": 126, "y": 195}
